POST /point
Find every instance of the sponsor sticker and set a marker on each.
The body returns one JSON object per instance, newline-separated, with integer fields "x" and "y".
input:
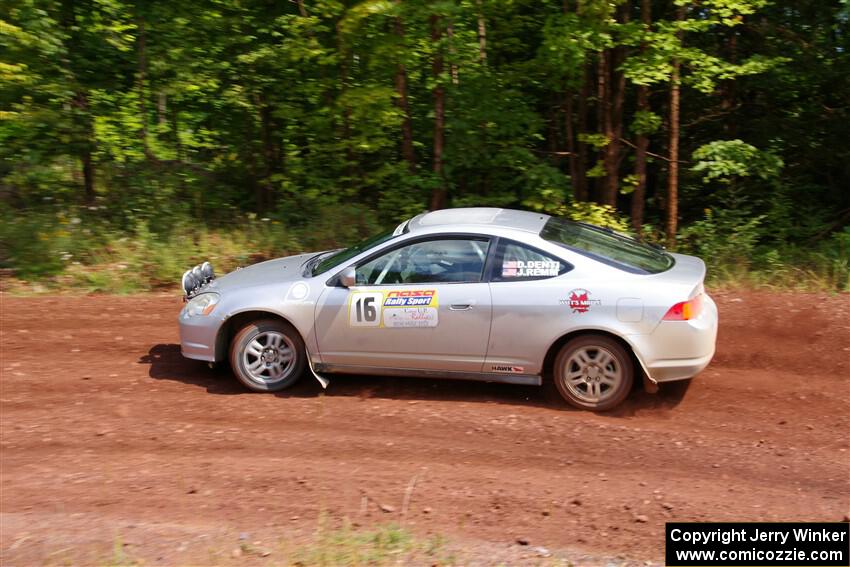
{"x": 507, "y": 368}
{"x": 579, "y": 301}
{"x": 411, "y": 317}
{"x": 524, "y": 269}
{"x": 414, "y": 298}
{"x": 396, "y": 309}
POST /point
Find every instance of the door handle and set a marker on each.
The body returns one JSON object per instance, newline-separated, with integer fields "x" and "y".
{"x": 466, "y": 306}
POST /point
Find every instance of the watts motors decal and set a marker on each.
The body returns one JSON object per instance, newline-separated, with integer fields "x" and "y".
{"x": 579, "y": 301}
{"x": 397, "y": 309}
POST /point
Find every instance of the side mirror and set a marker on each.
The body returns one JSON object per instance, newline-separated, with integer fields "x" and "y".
{"x": 348, "y": 277}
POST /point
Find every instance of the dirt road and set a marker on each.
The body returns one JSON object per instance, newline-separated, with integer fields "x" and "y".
{"x": 111, "y": 439}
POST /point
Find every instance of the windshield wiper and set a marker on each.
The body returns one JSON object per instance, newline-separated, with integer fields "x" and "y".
{"x": 311, "y": 264}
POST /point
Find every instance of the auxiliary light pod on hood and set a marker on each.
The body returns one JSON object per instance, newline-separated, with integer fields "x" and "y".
{"x": 195, "y": 279}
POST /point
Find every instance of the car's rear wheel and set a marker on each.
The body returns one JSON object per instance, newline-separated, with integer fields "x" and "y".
{"x": 267, "y": 355}
{"x": 594, "y": 372}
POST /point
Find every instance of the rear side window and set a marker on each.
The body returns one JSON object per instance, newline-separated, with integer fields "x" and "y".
{"x": 607, "y": 246}
{"x": 518, "y": 262}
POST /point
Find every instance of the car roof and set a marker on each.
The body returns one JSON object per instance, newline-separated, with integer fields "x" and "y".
{"x": 479, "y": 216}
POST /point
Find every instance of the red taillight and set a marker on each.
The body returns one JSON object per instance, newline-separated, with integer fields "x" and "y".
{"x": 685, "y": 310}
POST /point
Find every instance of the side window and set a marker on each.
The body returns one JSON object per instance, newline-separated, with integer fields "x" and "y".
{"x": 518, "y": 262}
{"x": 431, "y": 261}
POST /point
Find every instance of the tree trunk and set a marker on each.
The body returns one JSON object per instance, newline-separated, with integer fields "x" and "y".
{"x": 580, "y": 187}
{"x": 577, "y": 171}
{"x": 553, "y": 133}
{"x": 162, "y": 109}
{"x": 407, "y": 151}
{"x": 482, "y": 33}
{"x": 642, "y": 145}
{"x": 141, "y": 55}
{"x": 576, "y": 150}
{"x": 88, "y": 177}
{"x": 615, "y": 83}
{"x": 611, "y": 153}
{"x": 264, "y": 189}
{"x": 673, "y": 172}
{"x": 602, "y": 116}
{"x": 82, "y": 127}
{"x": 83, "y": 136}
{"x": 345, "y": 58}
{"x": 86, "y": 150}
{"x": 175, "y": 134}
{"x": 438, "y": 196}
{"x": 450, "y": 33}
{"x": 730, "y": 95}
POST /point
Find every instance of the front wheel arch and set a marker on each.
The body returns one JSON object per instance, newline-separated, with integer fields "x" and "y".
{"x": 236, "y": 322}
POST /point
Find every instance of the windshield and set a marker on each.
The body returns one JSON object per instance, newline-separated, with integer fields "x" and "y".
{"x": 341, "y": 256}
{"x": 607, "y": 246}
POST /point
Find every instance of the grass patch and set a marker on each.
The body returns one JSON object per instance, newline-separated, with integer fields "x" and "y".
{"x": 384, "y": 545}
{"x": 42, "y": 252}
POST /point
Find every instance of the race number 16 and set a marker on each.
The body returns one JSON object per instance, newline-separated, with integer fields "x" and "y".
{"x": 365, "y": 310}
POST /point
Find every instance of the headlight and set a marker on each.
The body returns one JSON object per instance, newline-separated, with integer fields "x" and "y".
{"x": 201, "y": 305}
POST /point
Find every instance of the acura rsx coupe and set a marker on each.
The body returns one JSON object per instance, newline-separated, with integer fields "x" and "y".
{"x": 483, "y": 294}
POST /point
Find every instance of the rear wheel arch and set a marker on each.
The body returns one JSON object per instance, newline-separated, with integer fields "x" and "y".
{"x": 237, "y": 321}
{"x": 555, "y": 348}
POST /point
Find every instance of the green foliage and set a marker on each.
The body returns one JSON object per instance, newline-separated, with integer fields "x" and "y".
{"x": 127, "y": 128}
{"x": 725, "y": 237}
{"x": 551, "y": 203}
{"x": 645, "y": 123}
{"x": 600, "y": 215}
{"x": 726, "y": 160}
{"x": 597, "y": 141}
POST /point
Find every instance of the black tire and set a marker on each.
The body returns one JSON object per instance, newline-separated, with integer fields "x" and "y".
{"x": 592, "y": 386}
{"x": 264, "y": 332}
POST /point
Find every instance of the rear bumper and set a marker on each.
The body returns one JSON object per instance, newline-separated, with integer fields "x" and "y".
{"x": 677, "y": 368}
{"x": 678, "y": 350}
{"x": 198, "y": 336}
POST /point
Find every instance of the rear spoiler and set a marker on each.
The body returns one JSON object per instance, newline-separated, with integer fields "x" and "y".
{"x": 688, "y": 271}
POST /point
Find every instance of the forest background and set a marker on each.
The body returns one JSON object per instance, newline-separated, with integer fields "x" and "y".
{"x": 139, "y": 138}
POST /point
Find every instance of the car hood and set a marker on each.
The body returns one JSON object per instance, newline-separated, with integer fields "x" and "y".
{"x": 279, "y": 270}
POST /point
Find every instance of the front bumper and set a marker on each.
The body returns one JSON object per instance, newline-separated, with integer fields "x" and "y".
{"x": 678, "y": 350}
{"x": 198, "y": 335}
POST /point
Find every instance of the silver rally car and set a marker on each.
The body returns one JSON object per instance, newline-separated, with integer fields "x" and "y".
{"x": 477, "y": 294}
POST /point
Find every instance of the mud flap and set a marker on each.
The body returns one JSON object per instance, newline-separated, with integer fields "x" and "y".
{"x": 324, "y": 382}
{"x": 650, "y": 386}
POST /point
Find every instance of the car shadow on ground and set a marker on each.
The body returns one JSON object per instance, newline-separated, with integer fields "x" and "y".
{"x": 166, "y": 363}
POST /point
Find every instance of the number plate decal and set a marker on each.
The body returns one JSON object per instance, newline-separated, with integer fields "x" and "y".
{"x": 364, "y": 309}
{"x": 394, "y": 309}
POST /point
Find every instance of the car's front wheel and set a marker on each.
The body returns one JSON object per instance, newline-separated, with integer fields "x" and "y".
{"x": 267, "y": 355}
{"x": 593, "y": 372}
